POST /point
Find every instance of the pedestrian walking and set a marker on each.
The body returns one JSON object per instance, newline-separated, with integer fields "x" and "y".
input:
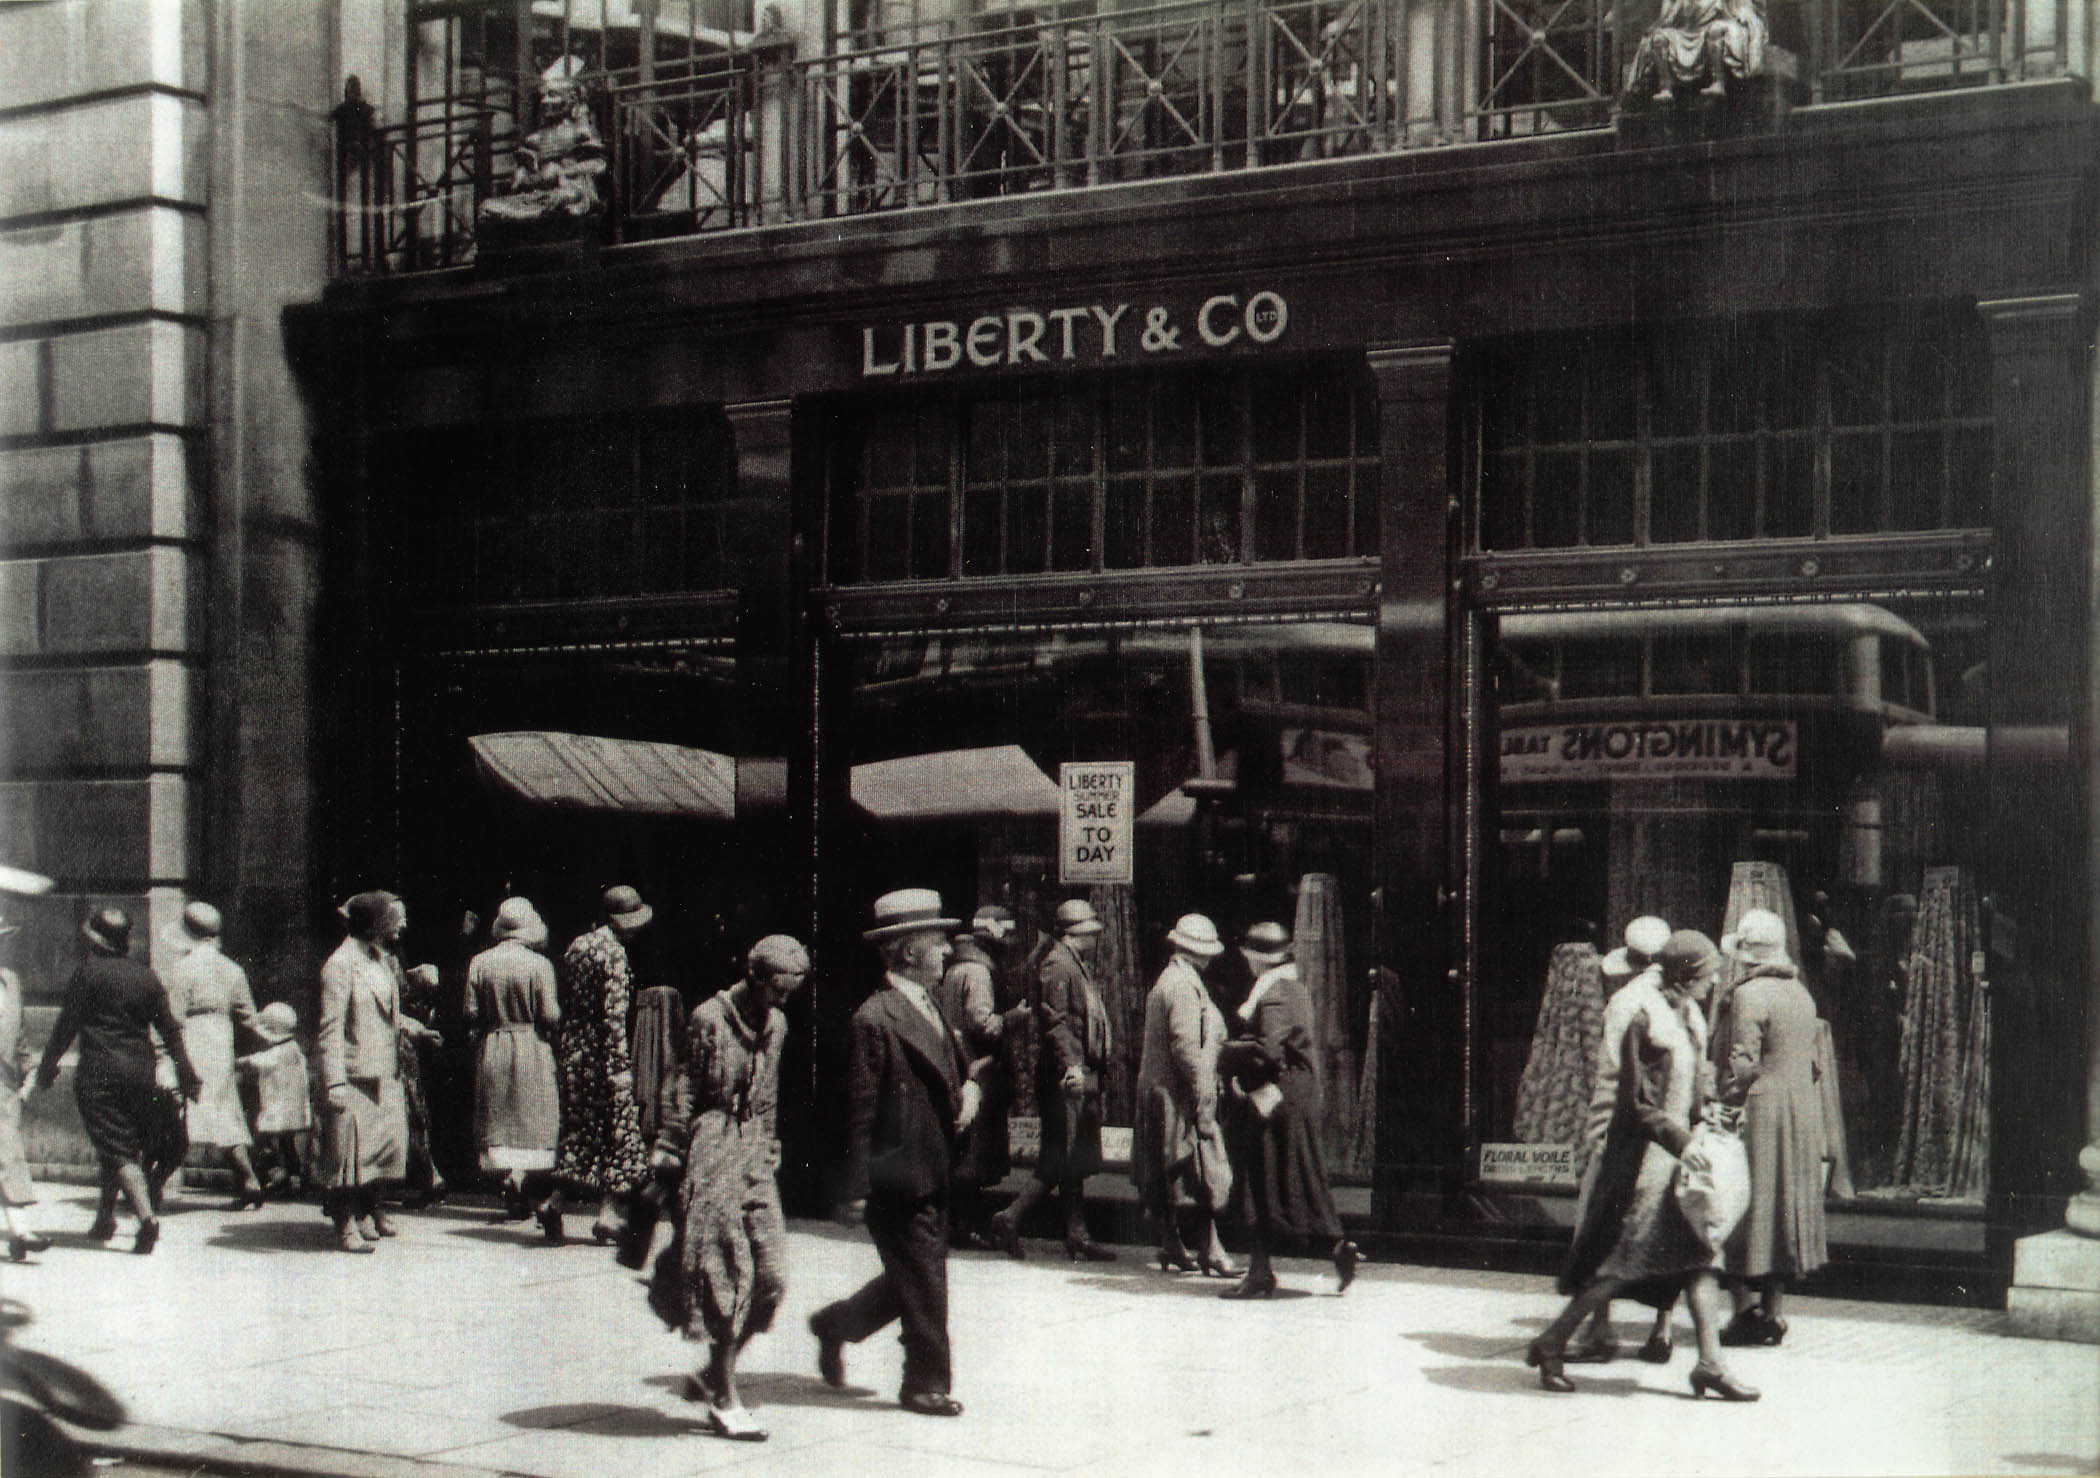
{"x": 1766, "y": 1050}
{"x": 1075, "y": 1040}
{"x": 424, "y": 1185}
{"x": 601, "y": 1152}
{"x": 909, "y": 1097}
{"x": 277, "y": 1073}
{"x": 1279, "y": 1174}
{"x": 357, "y": 1043}
{"x": 1631, "y": 1240}
{"x": 18, "y": 1195}
{"x": 114, "y": 1005}
{"x": 512, "y": 1005}
{"x": 724, "y": 1272}
{"x": 209, "y": 995}
{"x": 1176, "y": 1143}
{"x": 975, "y": 997}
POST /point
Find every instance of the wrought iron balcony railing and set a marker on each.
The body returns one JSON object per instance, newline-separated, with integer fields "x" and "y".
{"x": 756, "y": 135}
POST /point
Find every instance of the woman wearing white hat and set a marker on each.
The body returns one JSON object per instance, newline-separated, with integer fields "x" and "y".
{"x": 512, "y": 1005}
{"x": 210, "y": 996}
{"x": 1176, "y": 1140}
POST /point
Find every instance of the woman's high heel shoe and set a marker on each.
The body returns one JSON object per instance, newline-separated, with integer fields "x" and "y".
{"x": 149, "y": 1234}
{"x": 1552, "y": 1377}
{"x": 550, "y": 1225}
{"x": 1218, "y": 1267}
{"x": 1346, "y": 1257}
{"x": 1085, "y": 1251}
{"x": 19, "y": 1247}
{"x": 250, "y": 1198}
{"x": 1713, "y": 1378}
{"x": 1252, "y": 1287}
{"x": 1659, "y": 1348}
{"x": 1176, "y": 1260}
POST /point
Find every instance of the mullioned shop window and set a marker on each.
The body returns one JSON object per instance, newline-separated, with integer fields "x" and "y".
{"x": 1752, "y": 430}
{"x": 1124, "y": 472}
{"x": 580, "y": 508}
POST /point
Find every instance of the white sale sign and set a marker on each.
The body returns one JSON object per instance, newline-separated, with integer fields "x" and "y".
{"x": 1097, "y": 821}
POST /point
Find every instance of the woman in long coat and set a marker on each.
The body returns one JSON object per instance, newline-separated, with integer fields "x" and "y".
{"x": 1766, "y": 1052}
{"x": 511, "y": 1004}
{"x": 115, "y": 1005}
{"x": 1279, "y": 1174}
{"x": 1631, "y": 1240}
{"x": 17, "y": 1189}
{"x": 601, "y": 1152}
{"x": 723, "y": 1275}
{"x": 1176, "y": 1140}
{"x": 208, "y": 993}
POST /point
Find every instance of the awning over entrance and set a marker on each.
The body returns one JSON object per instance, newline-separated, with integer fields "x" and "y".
{"x": 583, "y": 772}
{"x": 954, "y": 785}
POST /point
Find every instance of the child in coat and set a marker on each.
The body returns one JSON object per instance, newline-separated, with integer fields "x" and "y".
{"x": 283, "y": 1096}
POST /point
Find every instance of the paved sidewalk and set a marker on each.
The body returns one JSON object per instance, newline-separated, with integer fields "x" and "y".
{"x": 465, "y": 1346}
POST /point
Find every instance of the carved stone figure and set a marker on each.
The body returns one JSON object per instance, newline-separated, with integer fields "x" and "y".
{"x": 558, "y": 163}
{"x": 1698, "y": 45}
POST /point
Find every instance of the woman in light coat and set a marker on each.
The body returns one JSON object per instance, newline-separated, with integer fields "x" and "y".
{"x": 1766, "y": 1053}
{"x": 1176, "y": 1141}
{"x": 210, "y": 997}
{"x": 1630, "y": 1238}
{"x": 511, "y": 1003}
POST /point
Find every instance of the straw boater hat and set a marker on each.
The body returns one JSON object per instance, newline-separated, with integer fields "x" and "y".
{"x": 994, "y": 923}
{"x": 276, "y": 1022}
{"x": 1076, "y": 916}
{"x": 908, "y": 911}
{"x": 624, "y": 906}
{"x": 200, "y": 921}
{"x": 517, "y": 919}
{"x": 1759, "y": 938}
{"x": 1267, "y": 943}
{"x": 1195, "y": 934}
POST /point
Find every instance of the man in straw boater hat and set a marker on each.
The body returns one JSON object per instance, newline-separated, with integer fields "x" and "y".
{"x": 910, "y": 1094}
{"x": 976, "y": 996}
{"x": 1075, "y": 1042}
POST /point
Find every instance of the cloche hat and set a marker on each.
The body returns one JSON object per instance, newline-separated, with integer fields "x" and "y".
{"x": 624, "y": 906}
{"x": 276, "y": 1022}
{"x": 1645, "y": 938}
{"x": 1759, "y": 938}
{"x": 1194, "y": 933}
{"x": 1267, "y": 941}
{"x": 109, "y": 930}
{"x": 1076, "y": 916}
{"x": 907, "y": 911}
{"x": 516, "y": 918}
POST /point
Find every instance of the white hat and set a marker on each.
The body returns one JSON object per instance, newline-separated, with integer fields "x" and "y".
{"x": 1195, "y": 934}
{"x": 1759, "y": 938}
{"x": 907, "y": 911}
{"x": 1645, "y": 937}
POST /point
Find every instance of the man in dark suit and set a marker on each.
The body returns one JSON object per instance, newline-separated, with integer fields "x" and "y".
{"x": 910, "y": 1094}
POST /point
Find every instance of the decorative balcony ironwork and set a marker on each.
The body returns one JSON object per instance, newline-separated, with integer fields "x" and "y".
{"x": 749, "y": 134}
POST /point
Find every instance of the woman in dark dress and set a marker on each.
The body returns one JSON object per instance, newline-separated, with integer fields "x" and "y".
{"x": 1279, "y": 1176}
{"x": 113, "y": 1003}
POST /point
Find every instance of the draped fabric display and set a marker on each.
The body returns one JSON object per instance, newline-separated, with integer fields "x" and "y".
{"x": 1945, "y": 1055}
{"x": 1363, "y": 1142}
{"x": 1553, "y": 1096}
{"x": 1323, "y": 969}
{"x": 1115, "y": 967}
{"x": 1764, "y": 885}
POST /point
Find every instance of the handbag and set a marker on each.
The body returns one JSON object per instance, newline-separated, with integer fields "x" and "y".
{"x": 1213, "y": 1168}
{"x": 1712, "y": 1187}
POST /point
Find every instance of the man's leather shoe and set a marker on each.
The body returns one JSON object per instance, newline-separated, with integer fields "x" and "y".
{"x": 831, "y": 1357}
{"x": 930, "y": 1403}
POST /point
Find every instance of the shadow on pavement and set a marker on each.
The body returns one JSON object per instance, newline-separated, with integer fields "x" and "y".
{"x": 276, "y": 1236}
{"x": 782, "y": 1388}
{"x": 1469, "y": 1346}
{"x": 1515, "y": 1376}
{"x": 2054, "y": 1462}
{"x": 604, "y": 1420}
{"x": 514, "y": 1235}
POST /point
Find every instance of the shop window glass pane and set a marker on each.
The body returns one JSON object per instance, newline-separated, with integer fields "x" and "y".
{"x": 1916, "y": 479}
{"x": 1695, "y": 663}
{"x": 935, "y": 431}
{"x": 1611, "y": 497}
{"x": 1790, "y": 487}
{"x": 1856, "y": 397}
{"x": 616, "y": 562}
{"x": 1896, "y": 674}
{"x": 889, "y": 537}
{"x": 1072, "y": 453}
{"x": 1218, "y": 414}
{"x": 1789, "y": 384}
{"x": 1559, "y": 382}
{"x": 1072, "y": 528}
{"x": 1174, "y": 421}
{"x": 842, "y": 533}
{"x": 539, "y": 567}
{"x": 499, "y": 561}
{"x": 1855, "y": 484}
{"x": 1127, "y": 404}
{"x": 1365, "y": 480}
{"x": 1027, "y": 530}
{"x": 890, "y": 457}
{"x": 1739, "y": 371}
{"x": 929, "y": 537}
{"x": 1123, "y": 525}
{"x": 1220, "y": 528}
{"x": 1731, "y": 490}
{"x": 1556, "y": 500}
{"x": 1603, "y": 667}
{"x": 1917, "y": 379}
{"x": 1502, "y": 502}
{"x": 1526, "y": 674}
{"x": 1970, "y": 474}
{"x": 1676, "y": 387}
{"x": 980, "y": 551}
{"x": 1611, "y": 390}
{"x": 1504, "y": 397}
{"x": 663, "y": 540}
{"x": 1674, "y": 495}
{"x": 1274, "y": 407}
{"x": 1276, "y": 515}
{"x": 991, "y": 423}
{"x": 1027, "y": 447}
{"x": 1326, "y": 512}
{"x": 1174, "y": 521}
{"x": 1330, "y": 405}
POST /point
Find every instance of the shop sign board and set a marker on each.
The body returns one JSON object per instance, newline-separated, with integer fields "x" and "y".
{"x": 1016, "y": 337}
{"x": 1533, "y": 1165}
{"x": 1097, "y": 821}
{"x": 1653, "y": 749}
